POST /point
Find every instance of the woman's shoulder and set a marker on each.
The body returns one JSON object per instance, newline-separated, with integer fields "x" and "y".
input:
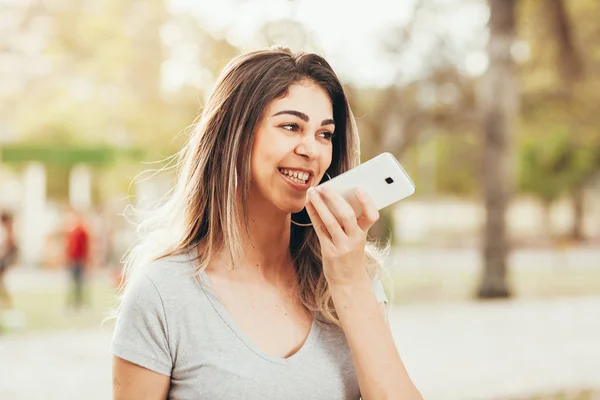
{"x": 170, "y": 274}
{"x": 171, "y": 265}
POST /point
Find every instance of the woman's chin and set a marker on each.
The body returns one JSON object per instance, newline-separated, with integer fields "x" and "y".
{"x": 293, "y": 209}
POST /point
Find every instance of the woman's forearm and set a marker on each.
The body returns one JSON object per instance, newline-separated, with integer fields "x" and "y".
{"x": 380, "y": 371}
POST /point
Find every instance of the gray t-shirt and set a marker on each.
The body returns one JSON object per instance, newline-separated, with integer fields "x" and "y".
{"x": 171, "y": 324}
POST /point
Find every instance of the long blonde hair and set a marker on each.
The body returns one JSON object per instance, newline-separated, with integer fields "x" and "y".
{"x": 203, "y": 209}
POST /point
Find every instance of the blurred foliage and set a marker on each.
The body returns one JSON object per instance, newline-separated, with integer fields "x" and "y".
{"x": 102, "y": 83}
{"x": 559, "y": 135}
{"x": 55, "y": 153}
{"x": 458, "y": 158}
{"x": 555, "y": 165}
{"x": 130, "y": 73}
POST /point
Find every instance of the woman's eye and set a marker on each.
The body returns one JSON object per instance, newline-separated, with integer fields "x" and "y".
{"x": 327, "y": 135}
{"x": 291, "y": 127}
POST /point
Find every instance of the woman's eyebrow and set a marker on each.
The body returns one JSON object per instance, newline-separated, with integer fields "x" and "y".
{"x": 303, "y": 116}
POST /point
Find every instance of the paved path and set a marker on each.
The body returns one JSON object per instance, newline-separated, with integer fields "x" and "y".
{"x": 500, "y": 349}
{"x": 52, "y": 366}
{"x": 460, "y": 351}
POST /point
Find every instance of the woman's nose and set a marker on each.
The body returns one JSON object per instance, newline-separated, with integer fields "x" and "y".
{"x": 307, "y": 147}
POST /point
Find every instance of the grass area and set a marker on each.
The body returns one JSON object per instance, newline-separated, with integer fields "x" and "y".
{"x": 47, "y": 309}
{"x": 456, "y": 285}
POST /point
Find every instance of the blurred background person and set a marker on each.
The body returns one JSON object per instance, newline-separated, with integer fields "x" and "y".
{"x": 77, "y": 257}
{"x": 8, "y": 255}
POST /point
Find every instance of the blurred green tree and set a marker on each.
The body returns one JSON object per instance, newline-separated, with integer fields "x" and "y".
{"x": 103, "y": 76}
{"x": 551, "y": 167}
{"x": 559, "y": 96}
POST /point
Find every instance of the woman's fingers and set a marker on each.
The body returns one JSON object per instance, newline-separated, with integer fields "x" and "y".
{"x": 369, "y": 214}
{"x": 317, "y": 223}
{"x": 342, "y": 210}
{"x": 328, "y": 222}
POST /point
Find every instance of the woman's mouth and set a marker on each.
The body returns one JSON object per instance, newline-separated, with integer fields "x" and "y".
{"x": 299, "y": 177}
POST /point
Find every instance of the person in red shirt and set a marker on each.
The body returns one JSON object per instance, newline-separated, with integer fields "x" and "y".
{"x": 77, "y": 252}
{"x": 8, "y": 252}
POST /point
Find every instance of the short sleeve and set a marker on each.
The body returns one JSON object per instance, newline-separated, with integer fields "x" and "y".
{"x": 141, "y": 332}
{"x": 379, "y": 292}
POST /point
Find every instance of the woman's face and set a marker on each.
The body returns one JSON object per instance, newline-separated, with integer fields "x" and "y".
{"x": 292, "y": 147}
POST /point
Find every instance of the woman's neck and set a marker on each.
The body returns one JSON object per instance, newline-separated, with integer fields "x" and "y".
{"x": 266, "y": 248}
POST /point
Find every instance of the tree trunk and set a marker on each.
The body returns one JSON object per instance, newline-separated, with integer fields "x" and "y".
{"x": 578, "y": 201}
{"x": 568, "y": 56}
{"x": 547, "y": 222}
{"x": 498, "y": 100}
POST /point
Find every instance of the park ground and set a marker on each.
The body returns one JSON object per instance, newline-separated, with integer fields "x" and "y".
{"x": 543, "y": 344}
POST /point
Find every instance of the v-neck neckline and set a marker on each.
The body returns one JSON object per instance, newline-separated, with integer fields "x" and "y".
{"x": 222, "y": 311}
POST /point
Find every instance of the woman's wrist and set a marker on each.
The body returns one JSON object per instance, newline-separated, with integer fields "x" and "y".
{"x": 352, "y": 294}
{"x": 357, "y": 280}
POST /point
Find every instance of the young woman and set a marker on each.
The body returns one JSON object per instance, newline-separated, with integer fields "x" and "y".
{"x": 230, "y": 293}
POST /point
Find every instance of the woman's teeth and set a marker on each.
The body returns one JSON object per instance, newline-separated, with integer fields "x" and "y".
{"x": 295, "y": 176}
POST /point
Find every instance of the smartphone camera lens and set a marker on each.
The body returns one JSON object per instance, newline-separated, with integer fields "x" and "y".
{"x": 389, "y": 180}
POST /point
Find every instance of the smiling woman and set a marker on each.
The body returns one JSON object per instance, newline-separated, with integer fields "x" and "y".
{"x": 298, "y": 146}
{"x": 225, "y": 297}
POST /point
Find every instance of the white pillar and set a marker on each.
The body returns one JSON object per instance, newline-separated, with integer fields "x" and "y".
{"x": 34, "y": 225}
{"x": 80, "y": 187}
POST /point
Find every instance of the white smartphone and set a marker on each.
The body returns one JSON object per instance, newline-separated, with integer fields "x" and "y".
{"x": 382, "y": 178}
